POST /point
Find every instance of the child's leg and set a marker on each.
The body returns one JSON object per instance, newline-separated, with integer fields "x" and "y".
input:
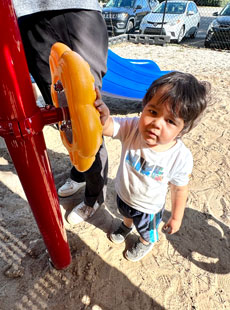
{"x": 144, "y": 241}
{"x": 128, "y": 222}
{"x": 125, "y": 228}
{"x": 147, "y": 227}
{"x": 121, "y": 233}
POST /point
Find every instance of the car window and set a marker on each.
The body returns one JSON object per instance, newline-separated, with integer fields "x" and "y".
{"x": 153, "y": 3}
{"x": 127, "y": 3}
{"x": 192, "y": 7}
{"x": 120, "y": 3}
{"x": 112, "y": 3}
{"x": 143, "y": 3}
{"x": 226, "y": 11}
{"x": 171, "y": 8}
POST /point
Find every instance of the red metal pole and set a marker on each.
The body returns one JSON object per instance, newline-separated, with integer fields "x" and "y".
{"x": 21, "y": 124}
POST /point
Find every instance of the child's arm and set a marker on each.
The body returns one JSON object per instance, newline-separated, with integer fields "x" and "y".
{"x": 106, "y": 119}
{"x": 179, "y": 195}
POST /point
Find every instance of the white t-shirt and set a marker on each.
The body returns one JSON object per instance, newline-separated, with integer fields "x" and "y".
{"x": 143, "y": 174}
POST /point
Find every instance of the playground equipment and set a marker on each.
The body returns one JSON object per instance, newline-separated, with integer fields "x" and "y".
{"x": 71, "y": 73}
{"x": 129, "y": 78}
{"x": 21, "y": 124}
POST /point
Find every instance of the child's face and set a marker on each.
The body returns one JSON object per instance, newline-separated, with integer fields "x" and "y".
{"x": 157, "y": 125}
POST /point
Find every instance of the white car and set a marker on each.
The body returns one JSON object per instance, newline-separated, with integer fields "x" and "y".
{"x": 176, "y": 19}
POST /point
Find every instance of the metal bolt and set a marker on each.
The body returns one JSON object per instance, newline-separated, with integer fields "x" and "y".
{"x": 58, "y": 87}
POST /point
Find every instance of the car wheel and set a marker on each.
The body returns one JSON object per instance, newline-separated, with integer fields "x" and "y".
{"x": 180, "y": 35}
{"x": 206, "y": 44}
{"x": 192, "y": 36}
{"x": 129, "y": 27}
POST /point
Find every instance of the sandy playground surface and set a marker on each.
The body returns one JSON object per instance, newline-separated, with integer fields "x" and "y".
{"x": 185, "y": 271}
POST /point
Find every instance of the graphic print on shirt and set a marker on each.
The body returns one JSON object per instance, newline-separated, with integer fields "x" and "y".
{"x": 142, "y": 166}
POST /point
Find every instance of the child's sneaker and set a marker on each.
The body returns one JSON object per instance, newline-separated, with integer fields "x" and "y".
{"x": 119, "y": 235}
{"x": 81, "y": 213}
{"x": 138, "y": 251}
{"x": 69, "y": 188}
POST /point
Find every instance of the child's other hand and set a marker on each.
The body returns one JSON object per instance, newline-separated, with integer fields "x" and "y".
{"x": 101, "y": 107}
{"x": 172, "y": 226}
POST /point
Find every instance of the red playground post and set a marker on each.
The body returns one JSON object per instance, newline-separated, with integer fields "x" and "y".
{"x": 21, "y": 124}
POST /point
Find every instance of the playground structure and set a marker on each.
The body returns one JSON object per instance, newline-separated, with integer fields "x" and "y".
{"x": 70, "y": 72}
{"x": 22, "y": 122}
{"x": 129, "y": 78}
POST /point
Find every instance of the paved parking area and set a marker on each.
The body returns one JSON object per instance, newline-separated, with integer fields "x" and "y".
{"x": 207, "y": 17}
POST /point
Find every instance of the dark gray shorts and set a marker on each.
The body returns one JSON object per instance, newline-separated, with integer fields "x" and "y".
{"x": 146, "y": 224}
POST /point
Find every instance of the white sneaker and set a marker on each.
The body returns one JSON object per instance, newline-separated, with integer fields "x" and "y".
{"x": 69, "y": 188}
{"x": 82, "y": 213}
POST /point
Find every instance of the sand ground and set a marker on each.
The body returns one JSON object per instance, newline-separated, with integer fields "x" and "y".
{"x": 185, "y": 271}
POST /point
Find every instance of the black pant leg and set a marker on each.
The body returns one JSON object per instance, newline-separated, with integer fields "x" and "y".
{"x": 84, "y": 32}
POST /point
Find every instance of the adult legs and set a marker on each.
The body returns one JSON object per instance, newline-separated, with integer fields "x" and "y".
{"x": 84, "y": 32}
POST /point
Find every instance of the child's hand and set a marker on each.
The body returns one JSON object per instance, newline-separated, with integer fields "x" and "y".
{"x": 101, "y": 107}
{"x": 172, "y": 226}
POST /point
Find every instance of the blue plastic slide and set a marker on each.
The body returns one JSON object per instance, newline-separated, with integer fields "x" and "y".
{"x": 129, "y": 78}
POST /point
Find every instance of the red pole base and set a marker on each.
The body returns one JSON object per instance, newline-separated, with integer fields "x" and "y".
{"x": 21, "y": 124}
{"x": 31, "y": 162}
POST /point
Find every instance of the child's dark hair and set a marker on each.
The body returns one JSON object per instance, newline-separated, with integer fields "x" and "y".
{"x": 186, "y": 96}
